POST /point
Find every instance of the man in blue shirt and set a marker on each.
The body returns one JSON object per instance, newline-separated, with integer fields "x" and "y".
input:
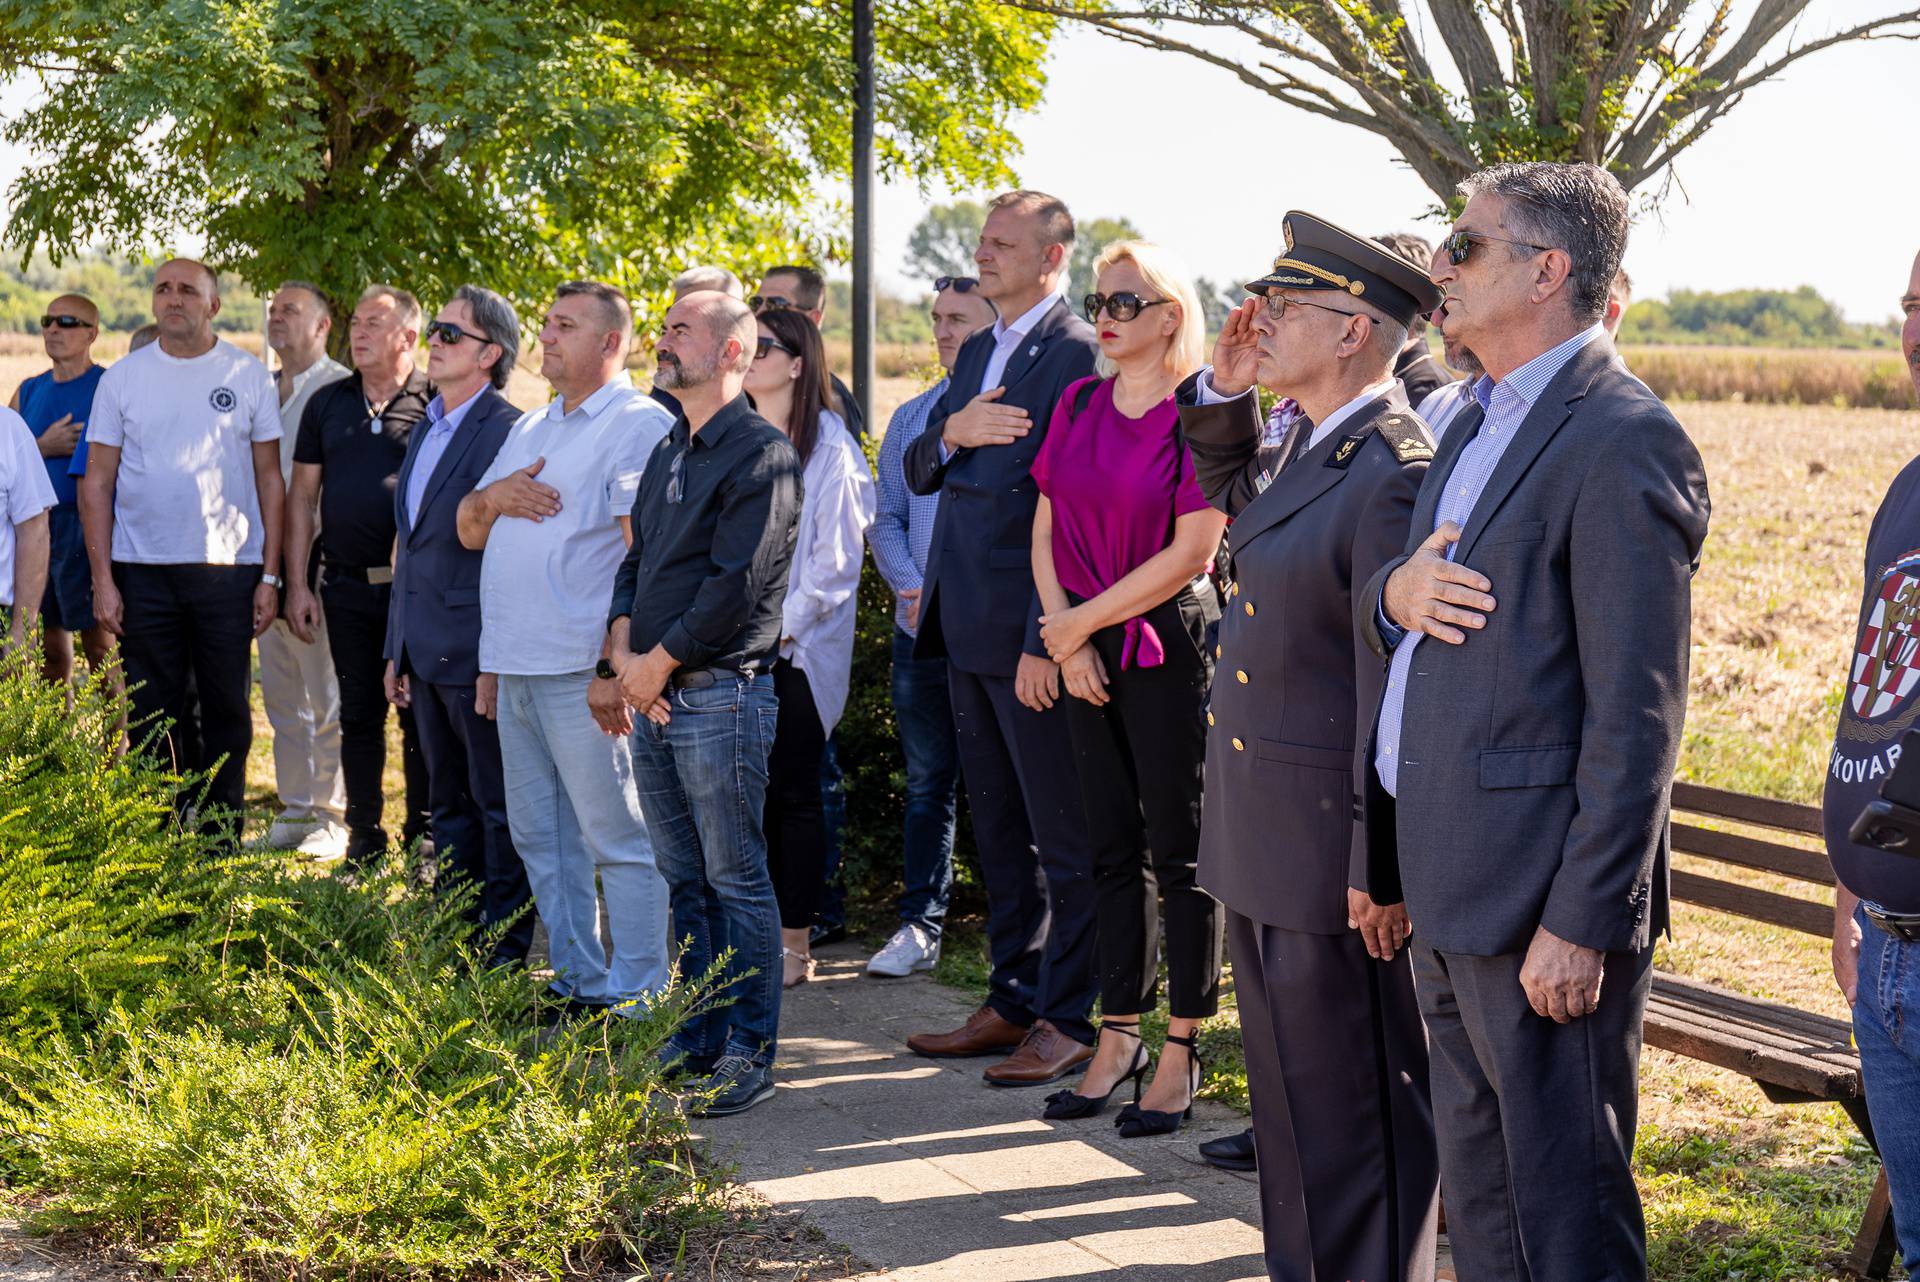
{"x": 56, "y": 405}
{"x": 901, "y": 533}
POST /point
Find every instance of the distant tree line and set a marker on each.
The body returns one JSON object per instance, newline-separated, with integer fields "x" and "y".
{"x": 1752, "y": 318}
{"x": 122, "y": 289}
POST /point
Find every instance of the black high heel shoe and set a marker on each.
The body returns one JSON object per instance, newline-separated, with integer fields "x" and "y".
{"x": 1135, "y": 1121}
{"x": 1065, "y": 1106}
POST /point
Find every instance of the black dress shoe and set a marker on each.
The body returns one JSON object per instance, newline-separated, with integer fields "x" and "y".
{"x": 1231, "y": 1152}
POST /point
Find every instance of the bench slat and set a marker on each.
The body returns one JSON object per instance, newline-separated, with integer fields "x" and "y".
{"x": 1794, "y": 1040}
{"x": 1686, "y": 990}
{"x": 1750, "y": 852}
{"x": 1787, "y": 816}
{"x": 1810, "y": 1077}
{"x": 1759, "y": 905}
{"x": 1766, "y": 1041}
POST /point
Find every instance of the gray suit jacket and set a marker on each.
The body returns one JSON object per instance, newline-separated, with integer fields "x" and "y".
{"x": 1537, "y": 757}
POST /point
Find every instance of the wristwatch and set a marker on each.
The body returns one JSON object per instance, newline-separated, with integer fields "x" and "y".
{"x": 604, "y": 670}
{"x": 273, "y": 581}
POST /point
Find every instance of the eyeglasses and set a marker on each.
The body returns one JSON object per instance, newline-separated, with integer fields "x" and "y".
{"x": 1277, "y": 304}
{"x": 64, "y": 322}
{"x": 1461, "y": 243}
{"x": 767, "y": 343}
{"x": 450, "y": 334}
{"x": 958, "y": 284}
{"x": 1123, "y": 306}
{"x": 771, "y": 303}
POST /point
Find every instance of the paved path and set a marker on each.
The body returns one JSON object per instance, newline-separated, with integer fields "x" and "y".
{"x": 929, "y": 1175}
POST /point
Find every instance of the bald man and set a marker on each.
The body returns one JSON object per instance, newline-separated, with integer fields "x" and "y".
{"x": 181, "y": 507}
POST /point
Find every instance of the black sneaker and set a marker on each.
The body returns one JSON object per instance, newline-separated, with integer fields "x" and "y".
{"x": 735, "y": 1085}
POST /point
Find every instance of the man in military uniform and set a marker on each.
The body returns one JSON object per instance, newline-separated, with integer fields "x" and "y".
{"x": 1336, "y": 1057}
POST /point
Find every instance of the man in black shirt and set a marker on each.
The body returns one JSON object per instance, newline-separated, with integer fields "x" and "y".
{"x": 353, "y": 438}
{"x": 694, "y": 627}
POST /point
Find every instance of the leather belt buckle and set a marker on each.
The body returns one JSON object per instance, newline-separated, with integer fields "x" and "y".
{"x": 1902, "y": 926}
{"x": 379, "y": 575}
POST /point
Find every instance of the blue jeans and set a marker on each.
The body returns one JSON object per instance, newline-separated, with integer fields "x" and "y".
{"x": 574, "y": 811}
{"x": 924, "y": 710}
{"x": 1887, "y": 999}
{"x": 703, "y": 785}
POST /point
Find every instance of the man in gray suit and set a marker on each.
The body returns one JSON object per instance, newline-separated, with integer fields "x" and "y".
{"x": 1537, "y": 632}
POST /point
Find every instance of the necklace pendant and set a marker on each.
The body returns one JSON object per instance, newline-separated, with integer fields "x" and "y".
{"x": 375, "y": 426}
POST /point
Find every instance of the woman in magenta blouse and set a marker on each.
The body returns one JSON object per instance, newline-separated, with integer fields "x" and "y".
{"x": 1122, "y": 539}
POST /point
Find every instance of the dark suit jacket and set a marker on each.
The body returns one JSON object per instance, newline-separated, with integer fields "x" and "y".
{"x": 978, "y": 606}
{"x": 1417, "y": 371}
{"x": 433, "y": 624}
{"x": 1294, "y": 690}
{"x": 1537, "y": 757}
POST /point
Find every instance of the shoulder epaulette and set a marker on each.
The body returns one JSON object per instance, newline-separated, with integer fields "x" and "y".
{"x": 1407, "y": 436}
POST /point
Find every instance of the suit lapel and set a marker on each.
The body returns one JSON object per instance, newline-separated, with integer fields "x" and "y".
{"x": 1033, "y": 343}
{"x": 1548, "y": 415}
{"x": 457, "y": 448}
{"x": 403, "y": 519}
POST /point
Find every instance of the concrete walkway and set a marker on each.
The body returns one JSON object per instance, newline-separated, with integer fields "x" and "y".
{"x": 928, "y": 1174}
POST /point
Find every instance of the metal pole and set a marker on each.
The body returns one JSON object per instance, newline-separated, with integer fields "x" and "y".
{"x": 863, "y": 313}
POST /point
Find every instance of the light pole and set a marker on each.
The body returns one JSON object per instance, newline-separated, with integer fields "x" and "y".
{"x": 863, "y": 314}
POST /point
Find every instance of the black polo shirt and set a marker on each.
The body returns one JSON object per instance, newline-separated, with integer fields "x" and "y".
{"x": 707, "y": 573}
{"x": 360, "y": 465}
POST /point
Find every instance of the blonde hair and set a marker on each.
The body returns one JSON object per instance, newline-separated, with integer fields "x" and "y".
{"x": 1164, "y": 274}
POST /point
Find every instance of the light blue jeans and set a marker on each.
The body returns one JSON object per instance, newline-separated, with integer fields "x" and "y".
{"x": 574, "y": 811}
{"x": 1886, "y": 1025}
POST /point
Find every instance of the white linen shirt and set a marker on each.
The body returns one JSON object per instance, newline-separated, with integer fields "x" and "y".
{"x": 25, "y": 491}
{"x": 544, "y": 584}
{"x": 823, "y": 585}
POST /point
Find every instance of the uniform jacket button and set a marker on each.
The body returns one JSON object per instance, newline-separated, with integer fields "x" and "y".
{"x": 1238, "y": 746}
{"x": 1240, "y": 675}
{"x": 1249, "y": 609}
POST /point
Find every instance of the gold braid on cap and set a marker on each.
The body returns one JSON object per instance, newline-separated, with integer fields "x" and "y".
{"x": 1354, "y": 287}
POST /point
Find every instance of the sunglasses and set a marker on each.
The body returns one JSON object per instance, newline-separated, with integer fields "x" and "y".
{"x": 1277, "y": 304}
{"x": 771, "y": 303}
{"x": 958, "y": 284}
{"x": 767, "y": 343}
{"x": 1123, "y": 306}
{"x": 450, "y": 334}
{"x": 64, "y": 322}
{"x": 1461, "y": 243}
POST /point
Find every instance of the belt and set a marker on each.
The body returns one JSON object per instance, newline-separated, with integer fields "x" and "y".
{"x": 1900, "y": 925}
{"x": 701, "y": 678}
{"x": 374, "y": 575}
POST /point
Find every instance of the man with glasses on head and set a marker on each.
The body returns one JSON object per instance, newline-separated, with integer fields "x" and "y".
{"x": 433, "y": 625}
{"x": 901, "y": 533}
{"x": 1537, "y": 630}
{"x": 56, "y": 405}
{"x": 804, "y": 289}
{"x": 693, "y": 630}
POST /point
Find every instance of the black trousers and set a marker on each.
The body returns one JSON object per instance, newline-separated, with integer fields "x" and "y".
{"x": 1140, "y": 760}
{"x": 796, "y": 813}
{"x": 188, "y": 629}
{"x": 1035, "y": 859}
{"x": 1536, "y": 1120}
{"x": 1337, "y": 1075}
{"x": 469, "y": 799}
{"x": 356, "y": 635}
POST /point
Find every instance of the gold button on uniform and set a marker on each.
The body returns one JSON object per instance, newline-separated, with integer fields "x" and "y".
{"x": 1241, "y": 675}
{"x": 1249, "y": 609}
{"x": 1218, "y": 651}
{"x": 1238, "y": 746}
{"x": 1209, "y": 718}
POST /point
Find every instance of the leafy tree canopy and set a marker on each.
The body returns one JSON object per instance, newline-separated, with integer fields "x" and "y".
{"x": 1752, "y": 318}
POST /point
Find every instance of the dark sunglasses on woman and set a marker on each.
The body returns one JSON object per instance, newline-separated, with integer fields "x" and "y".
{"x": 1123, "y": 306}
{"x": 767, "y": 343}
{"x": 64, "y": 322}
{"x": 450, "y": 333}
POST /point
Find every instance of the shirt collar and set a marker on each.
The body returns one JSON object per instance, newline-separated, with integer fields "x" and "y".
{"x": 619, "y": 385}
{"x": 438, "y": 413}
{"x": 326, "y": 364}
{"x": 734, "y": 411}
{"x": 1324, "y": 428}
{"x": 1526, "y": 383}
{"x": 1024, "y": 325}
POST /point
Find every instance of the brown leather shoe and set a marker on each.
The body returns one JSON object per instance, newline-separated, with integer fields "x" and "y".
{"x": 1046, "y": 1055}
{"x": 984, "y": 1033}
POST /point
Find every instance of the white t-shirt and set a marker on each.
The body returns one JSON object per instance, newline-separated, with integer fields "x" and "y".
{"x": 544, "y": 585}
{"x": 25, "y": 491}
{"x": 185, "y": 494}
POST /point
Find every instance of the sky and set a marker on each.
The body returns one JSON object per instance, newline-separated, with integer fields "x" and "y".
{"x": 1812, "y": 179}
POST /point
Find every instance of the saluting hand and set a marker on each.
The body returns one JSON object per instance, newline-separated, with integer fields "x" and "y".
{"x": 983, "y": 422}
{"x": 1431, "y": 594}
{"x": 1236, "y": 353}
{"x": 518, "y": 494}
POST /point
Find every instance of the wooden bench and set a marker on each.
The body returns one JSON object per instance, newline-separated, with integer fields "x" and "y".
{"x": 1793, "y": 1056}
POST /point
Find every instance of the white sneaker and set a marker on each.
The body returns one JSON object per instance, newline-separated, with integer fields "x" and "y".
{"x": 326, "y": 842}
{"x": 289, "y": 831}
{"x": 910, "y": 949}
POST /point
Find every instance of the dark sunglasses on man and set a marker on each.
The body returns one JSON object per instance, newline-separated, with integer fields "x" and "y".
{"x": 451, "y": 334}
{"x": 771, "y": 303}
{"x": 958, "y": 284}
{"x": 1461, "y": 243}
{"x": 64, "y": 322}
{"x": 767, "y": 343}
{"x": 1123, "y": 306}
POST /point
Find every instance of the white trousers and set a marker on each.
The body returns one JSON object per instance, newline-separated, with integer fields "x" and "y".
{"x": 302, "y": 701}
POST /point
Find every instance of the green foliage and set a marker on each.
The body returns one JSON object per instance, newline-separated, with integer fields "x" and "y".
{"x": 516, "y": 142}
{"x": 943, "y": 241}
{"x": 262, "y": 1072}
{"x": 1752, "y": 318}
{"x": 121, "y": 288}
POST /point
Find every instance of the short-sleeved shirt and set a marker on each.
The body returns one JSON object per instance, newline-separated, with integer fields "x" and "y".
{"x": 359, "y": 464}
{"x": 44, "y": 402}
{"x": 25, "y": 491}
{"x": 543, "y": 584}
{"x": 185, "y": 493}
{"x": 306, "y": 384}
{"x": 1882, "y": 699}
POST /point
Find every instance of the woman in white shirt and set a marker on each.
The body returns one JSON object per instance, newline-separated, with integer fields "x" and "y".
{"x": 789, "y": 386}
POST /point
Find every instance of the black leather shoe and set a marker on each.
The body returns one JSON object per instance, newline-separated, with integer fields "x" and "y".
{"x": 1231, "y": 1152}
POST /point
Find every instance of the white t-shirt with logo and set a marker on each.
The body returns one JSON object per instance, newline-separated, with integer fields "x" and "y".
{"x": 185, "y": 494}
{"x": 25, "y": 491}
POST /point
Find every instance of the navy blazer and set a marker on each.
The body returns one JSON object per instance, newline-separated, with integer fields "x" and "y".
{"x": 1537, "y": 757}
{"x": 433, "y": 623}
{"x": 978, "y": 606}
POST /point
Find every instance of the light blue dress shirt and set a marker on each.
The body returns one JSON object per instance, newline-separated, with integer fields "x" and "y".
{"x": 1506, "y": 404}
{"x": 442, "y": 423}
{"x": 902, "y": 529}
